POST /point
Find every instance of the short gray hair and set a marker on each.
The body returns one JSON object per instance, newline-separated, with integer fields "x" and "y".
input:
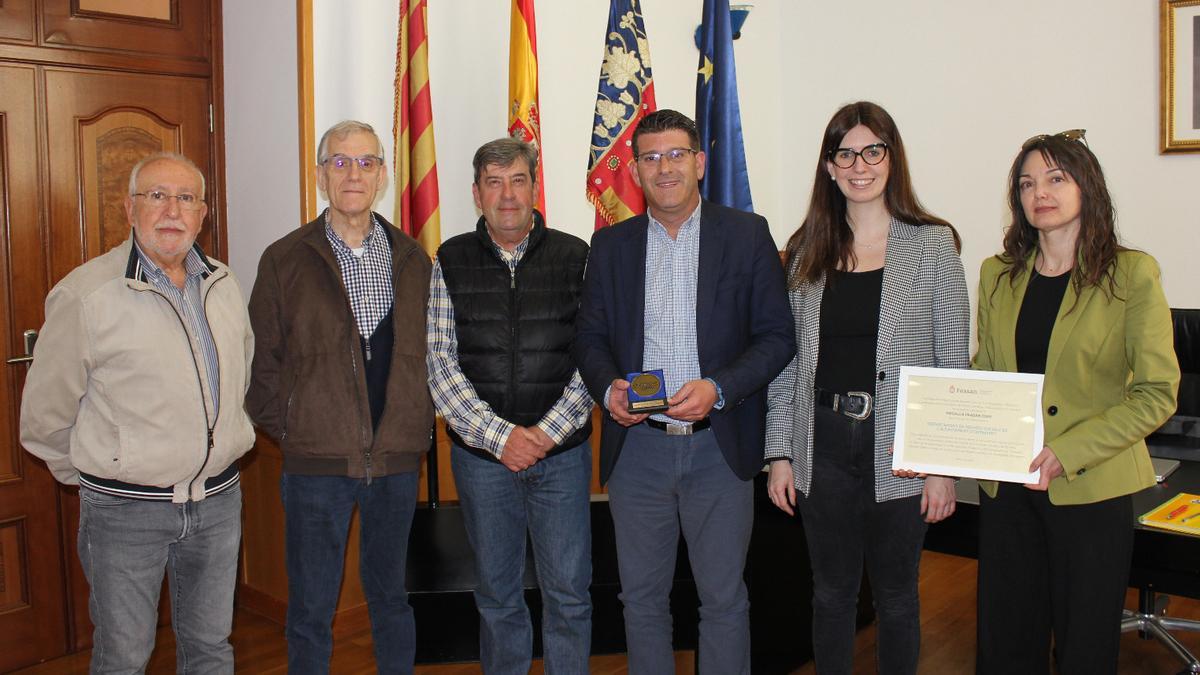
{"x": 343, "y": 129}
{"x": 503, "y": 152}
{"x": 165, "y": 156}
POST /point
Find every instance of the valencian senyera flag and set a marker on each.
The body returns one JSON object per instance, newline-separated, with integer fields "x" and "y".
{"x": 718, "y": 117}
{"x": 626, "y": 95}
{"x": 524, "y": 112}
{"x": 417, "y": 211}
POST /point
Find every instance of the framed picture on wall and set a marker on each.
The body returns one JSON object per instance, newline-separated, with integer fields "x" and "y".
{"x": 1180, "y": 71}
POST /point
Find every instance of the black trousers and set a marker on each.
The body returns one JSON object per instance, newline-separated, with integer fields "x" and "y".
{"x": 845, "y": 527}
{"x": 1046, "y": 568}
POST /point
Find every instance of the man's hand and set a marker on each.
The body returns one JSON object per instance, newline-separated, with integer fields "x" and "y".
{"x": 541, "y": 438}
{"x": 618, "y": 404}
{"x": 1051, "y": 468}
{"x": 521, "y": 450}
{"x": 693, "y": 401}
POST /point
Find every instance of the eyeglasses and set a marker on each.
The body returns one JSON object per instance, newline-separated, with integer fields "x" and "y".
{"x": 342, "y": 163}
{"x": 157, "y": 199}
{"x": 844, "y": 158}
{"x": 1068, "y": 135}
{"x": 674, "y": 156}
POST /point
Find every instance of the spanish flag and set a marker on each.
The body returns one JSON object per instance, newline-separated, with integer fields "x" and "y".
{"x": 524, "y": 113}
{"x": 417, "y": 211}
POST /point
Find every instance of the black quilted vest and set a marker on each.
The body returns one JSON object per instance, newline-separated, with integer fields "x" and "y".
{"x": 515, "y": 332}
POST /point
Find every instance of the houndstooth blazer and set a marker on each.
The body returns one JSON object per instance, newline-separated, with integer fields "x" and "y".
{"x": 924, "y": 320}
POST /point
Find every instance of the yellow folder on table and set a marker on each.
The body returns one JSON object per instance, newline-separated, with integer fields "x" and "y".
{"x": 1179, "y": 514}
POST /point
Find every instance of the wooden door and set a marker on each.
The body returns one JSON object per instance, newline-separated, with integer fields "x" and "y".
{"x": 97, "y": 126}
{"x": 31, "y": 562}
{"x": 87, "y": 88}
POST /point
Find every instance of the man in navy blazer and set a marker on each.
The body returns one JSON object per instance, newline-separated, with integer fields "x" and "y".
{"x": 697, "y": 290}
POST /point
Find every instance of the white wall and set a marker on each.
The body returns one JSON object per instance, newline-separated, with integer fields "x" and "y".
{"x": 262, "y": 155}
{"x": 967, "y": 82}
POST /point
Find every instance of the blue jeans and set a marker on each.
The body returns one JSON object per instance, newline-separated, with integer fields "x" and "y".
{"x": 660, "y": 484}
{"x": 125, "y": 544}
{"x": 551, "y": 501}
{"x": 844, "y": 526}
{"x": 317, "y": 519}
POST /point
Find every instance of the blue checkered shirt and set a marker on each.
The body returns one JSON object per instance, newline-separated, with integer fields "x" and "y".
{"x": 366, "y": 276}
{"x": 190, "y": 307}
{"x": 672, "y": 267}
{"x": 455, "y": 397}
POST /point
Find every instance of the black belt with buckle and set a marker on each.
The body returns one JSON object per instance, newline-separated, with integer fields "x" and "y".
{"x": 679, "y": 429}
{"x": 854, "y": 404}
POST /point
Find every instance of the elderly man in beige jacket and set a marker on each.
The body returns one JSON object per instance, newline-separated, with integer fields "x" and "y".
{"x": 136, "y": 394}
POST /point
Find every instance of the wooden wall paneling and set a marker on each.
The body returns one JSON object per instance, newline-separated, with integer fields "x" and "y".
{"x": 78, "y": 103}
{"x": 184, "y": 35}
{"x": 17, "y": 20}
{"x": 31, "y": 571}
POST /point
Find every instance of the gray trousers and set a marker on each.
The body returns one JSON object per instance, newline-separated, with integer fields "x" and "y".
{"x": 660, "y": 484}
{"x": 125, "y": 545}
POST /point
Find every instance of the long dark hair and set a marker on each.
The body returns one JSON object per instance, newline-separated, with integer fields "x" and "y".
{"x": 824, "y": 241}
{"x": 1097, "y": 246}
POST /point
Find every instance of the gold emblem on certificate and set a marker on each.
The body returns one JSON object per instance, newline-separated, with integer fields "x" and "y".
{"x": 647, "y": 392}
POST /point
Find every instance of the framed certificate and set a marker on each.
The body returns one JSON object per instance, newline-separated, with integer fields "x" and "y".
{"x": 969, "y": 423}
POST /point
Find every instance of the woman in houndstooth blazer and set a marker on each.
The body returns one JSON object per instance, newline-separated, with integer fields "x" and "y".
{"x": 875, "y": 283}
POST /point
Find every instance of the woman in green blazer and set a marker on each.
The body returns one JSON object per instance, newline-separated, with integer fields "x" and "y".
{"x": 1065, "y": 299}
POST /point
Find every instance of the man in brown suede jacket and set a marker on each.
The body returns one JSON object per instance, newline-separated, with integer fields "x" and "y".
{"x": 339, "y": 380}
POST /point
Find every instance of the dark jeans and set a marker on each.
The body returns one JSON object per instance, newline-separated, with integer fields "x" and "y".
{"x": 844, "y": 526}
{"x": 550, "y": 504}
{"x": 661, "y": 485}
{"x": 1044, "y": 567}
{"x": 317, "y": 519}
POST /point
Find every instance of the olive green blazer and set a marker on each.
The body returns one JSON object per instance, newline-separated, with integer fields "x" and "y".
{"x": 1111, "y": 374}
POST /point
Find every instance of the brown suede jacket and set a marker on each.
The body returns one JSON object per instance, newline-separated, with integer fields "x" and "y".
{"x": 307, "y": 387}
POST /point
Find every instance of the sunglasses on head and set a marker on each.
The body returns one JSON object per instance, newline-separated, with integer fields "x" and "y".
{"x": 1068, "y": 135}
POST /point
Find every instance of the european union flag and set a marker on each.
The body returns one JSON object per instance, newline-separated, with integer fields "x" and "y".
{"x": 717, "y": 114}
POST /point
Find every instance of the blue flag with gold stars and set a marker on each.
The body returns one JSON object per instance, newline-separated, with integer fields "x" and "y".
{"x": 717, "y": 114}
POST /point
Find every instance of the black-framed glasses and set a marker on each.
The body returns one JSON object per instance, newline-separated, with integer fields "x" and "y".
{"x": 674, "y": 156}
{"x": 1068, "y": 135}
{"x": 844, "y": 158}
{"x": 342, "y": 163}
{"x": 157, "y": 199}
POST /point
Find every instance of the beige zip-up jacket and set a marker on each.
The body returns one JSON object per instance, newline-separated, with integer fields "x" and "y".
{"x": 117, "y": 389}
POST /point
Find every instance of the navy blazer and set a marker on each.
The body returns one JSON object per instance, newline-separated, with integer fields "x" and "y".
{"x": 744, "y": 330}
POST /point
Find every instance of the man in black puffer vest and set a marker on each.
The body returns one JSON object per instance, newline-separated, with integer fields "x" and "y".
{"x": 500, "y": 328}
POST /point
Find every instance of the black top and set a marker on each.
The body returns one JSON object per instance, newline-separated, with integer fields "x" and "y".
{"x": 849, "y": 330}
{"x": 377, "y": 364}
{"x": 1035, "y": 322}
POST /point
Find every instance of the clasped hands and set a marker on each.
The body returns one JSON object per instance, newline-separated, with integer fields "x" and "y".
{"x": 691, "y": 403}
{"x": 525, "y": 447}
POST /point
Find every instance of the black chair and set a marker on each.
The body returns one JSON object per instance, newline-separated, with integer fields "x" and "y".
{"x": 1179, "y": 439}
